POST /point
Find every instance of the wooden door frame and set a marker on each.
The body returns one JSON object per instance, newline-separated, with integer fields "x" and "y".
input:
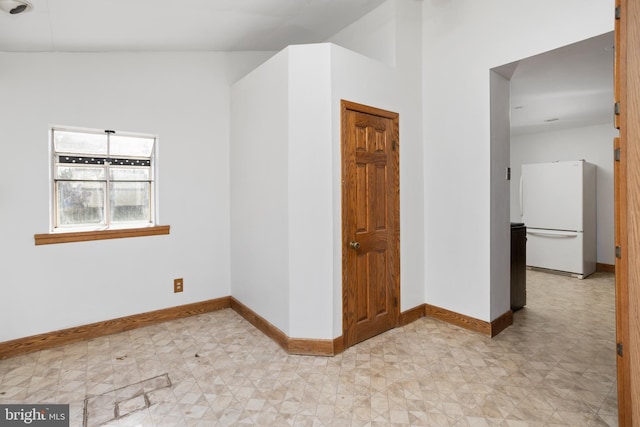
{"x": 394, "y": 241}
{"x": 627, "y": 218}
{"x": 620, "y": 224}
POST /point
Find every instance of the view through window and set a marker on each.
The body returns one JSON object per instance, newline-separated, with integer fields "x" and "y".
{"x": 102, "y": 179}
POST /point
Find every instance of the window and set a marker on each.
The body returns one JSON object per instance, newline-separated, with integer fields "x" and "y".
{"x": 101, "y": 180}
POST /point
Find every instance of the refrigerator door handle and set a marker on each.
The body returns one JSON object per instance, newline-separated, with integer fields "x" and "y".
{"x": 553, "y": 233}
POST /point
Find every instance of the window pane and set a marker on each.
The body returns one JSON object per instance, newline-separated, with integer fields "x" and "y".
{"x": 131, "y": 146}
{"x": 130, "y": 202}
{"x": 95, "y": 171}
{"x": 79, "y": 143}
{"x": 130, "y": 174}
{"x": 80, "y": 173}
{"x": 80, "y": 203}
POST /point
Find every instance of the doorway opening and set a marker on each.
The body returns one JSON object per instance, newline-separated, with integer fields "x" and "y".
{"x": 559, "y": 107}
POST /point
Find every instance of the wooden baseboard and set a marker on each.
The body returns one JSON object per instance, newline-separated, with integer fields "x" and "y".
{"x": 94, "y": 330}
{"x": 487, "y": 328}
{"x": 311, "y": 347}
{"x": 338, "y": 345}
{"x": 458, "y": 319}
{"x": 501, "y": 323}
{"x": 260, "y": 323}
{"x": 606, "y": 268}
{"x": 411, "y": 315}
{"x": 302, "y": 346}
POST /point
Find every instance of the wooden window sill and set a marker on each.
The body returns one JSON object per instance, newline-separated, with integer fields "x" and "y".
{"x": 83, "y": 236}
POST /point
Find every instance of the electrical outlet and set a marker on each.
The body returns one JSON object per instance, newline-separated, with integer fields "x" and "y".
{"x": 178, "y": 285}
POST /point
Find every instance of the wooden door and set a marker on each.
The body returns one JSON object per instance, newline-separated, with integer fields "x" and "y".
{"x": 370, "y": 221}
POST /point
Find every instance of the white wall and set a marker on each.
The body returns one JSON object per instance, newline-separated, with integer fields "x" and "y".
{"x": 314, "y": 231}
{"x": 357, "y": 78}
{"x": 462, "y": 41}
{"x": 184, "y": 98}
{"x": 409, "y": 81}
{"x": 500, "y": 278}
{"x": 310, "y": 192}
{"x": 281, "y": 191}
{"x": 374, "y": 35}
{"x": 259, "y": 199}
{"x": 401, "y": 23}
{"x": 305, "y": 189}
{"x": 181, "y": 97}
{"x": 591, "y": 143}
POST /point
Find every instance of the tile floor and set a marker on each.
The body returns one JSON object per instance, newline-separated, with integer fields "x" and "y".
{"x": 554, "y": 366}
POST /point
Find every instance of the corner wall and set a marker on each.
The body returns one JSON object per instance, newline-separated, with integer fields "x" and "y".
{"x": 181, "y": 97}
{"x": 310, "y": 192}
{"x": 286, "y": 227}
{"x": 462, "y": 41}
{"x": 500, "y": 278}
{"x": 259, "y": 163}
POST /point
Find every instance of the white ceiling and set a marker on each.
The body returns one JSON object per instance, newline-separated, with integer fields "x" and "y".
{"x": 154, "y": 25}
{"x": 573, "y": 84}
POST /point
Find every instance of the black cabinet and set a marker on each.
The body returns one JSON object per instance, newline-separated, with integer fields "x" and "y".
{"x": 518, "y": 265}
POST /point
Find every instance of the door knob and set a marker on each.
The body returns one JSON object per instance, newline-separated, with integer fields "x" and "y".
{"x": 355, "y": 245}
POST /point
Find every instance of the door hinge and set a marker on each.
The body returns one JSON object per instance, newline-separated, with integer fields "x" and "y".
{"x": 618, "y": 252}
{"x": 616, "y": 154}
{"x": 616, "y": 108}
{"x": 394, "y": 145}
{"x": 619, "y": 348}
{"x": 617, "y": 12}
{"x": 395, "y": 301}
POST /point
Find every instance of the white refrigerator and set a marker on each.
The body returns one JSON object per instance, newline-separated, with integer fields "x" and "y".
{"x": 558, "y": 208}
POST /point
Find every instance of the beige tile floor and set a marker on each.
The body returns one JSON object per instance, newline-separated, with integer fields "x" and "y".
{"x": 554, "y": 366}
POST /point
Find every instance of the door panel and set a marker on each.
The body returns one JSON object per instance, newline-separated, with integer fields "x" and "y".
{"x": 370, "y": 221}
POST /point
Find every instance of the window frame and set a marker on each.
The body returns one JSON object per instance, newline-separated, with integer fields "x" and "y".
{"x": 109, "y": 230}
